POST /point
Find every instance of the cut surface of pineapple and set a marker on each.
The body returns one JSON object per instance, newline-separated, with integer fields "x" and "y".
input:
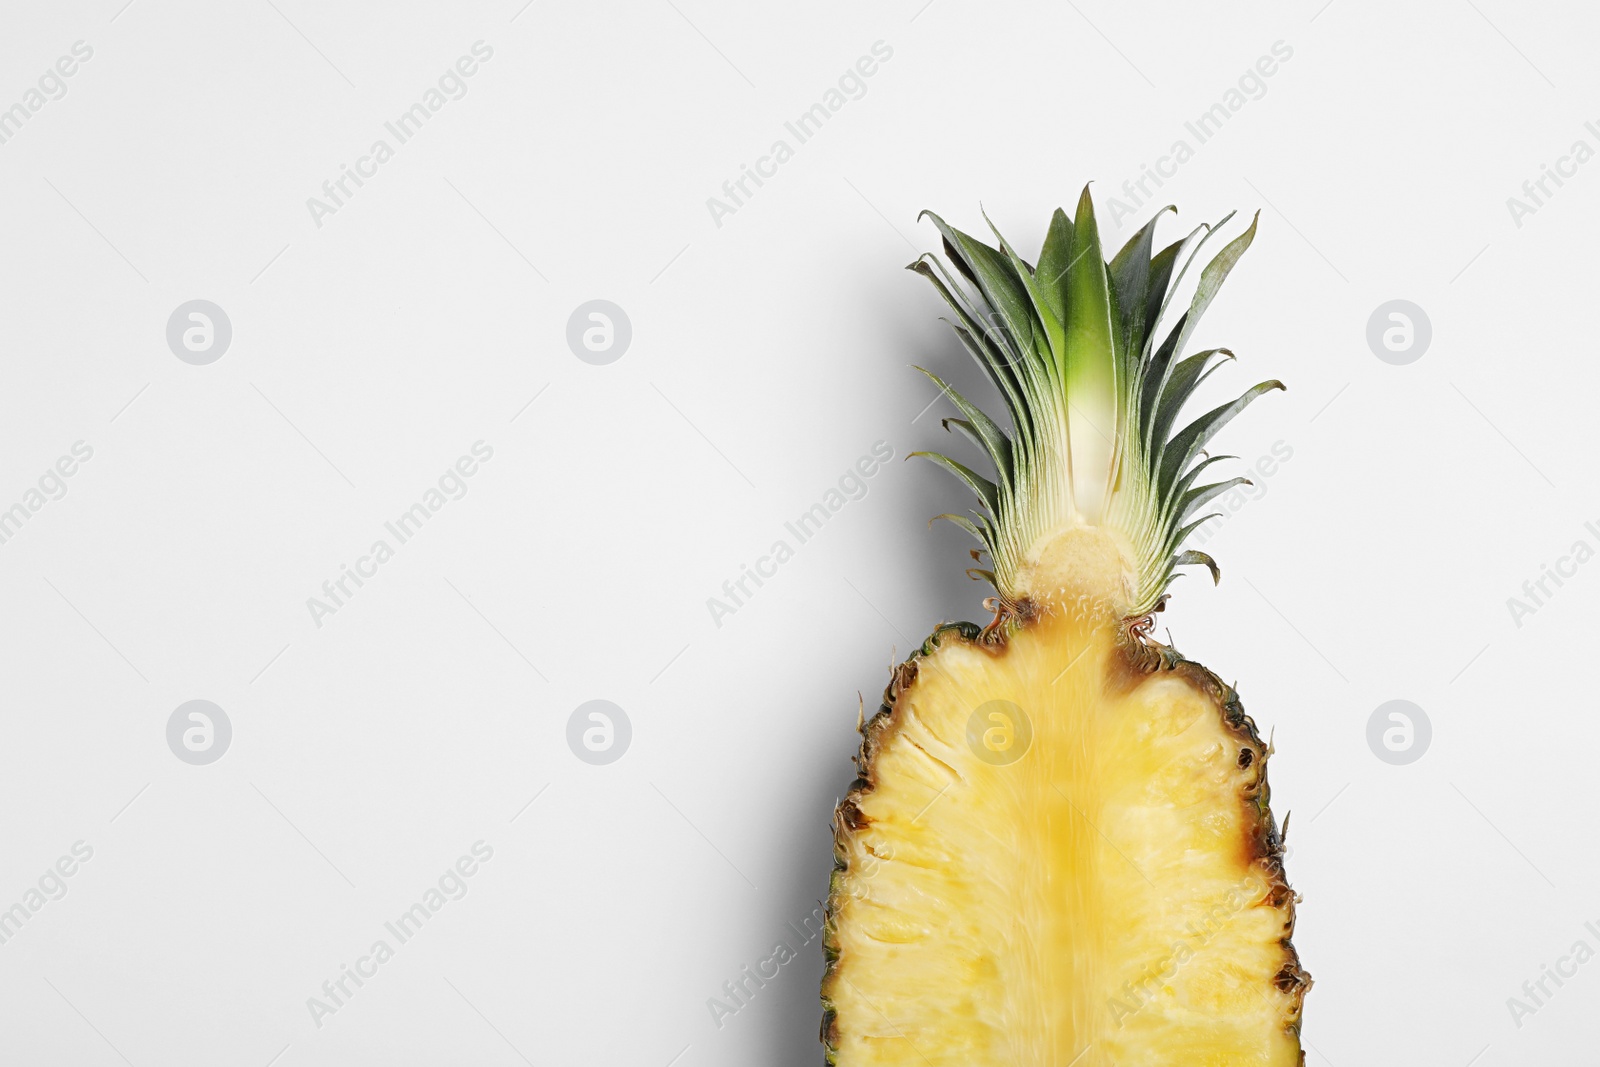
{"x": 1060, "y": 854}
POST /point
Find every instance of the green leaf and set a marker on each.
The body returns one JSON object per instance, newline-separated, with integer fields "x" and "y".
{"x": 982, "y": 428}
{"x": 1153, "y": 379}
{"x": 1198, "y": 497}
{"x": 1131, "y": 272}
{"x": 930, "y": 269}
{"x": 1092, "y": 377}
{"x": 1185, "y": 559}
{"x": 1174, "y": 493}
{"x": 1051, "y": 274}
{"x": 1000, "y": 284}
{"x": 971, "y": 432}
{"x": 959, "y": 260}
{"x": 1010, "y": 385}
{"x": 965, "y": 523}
{"x": 1089, "y": 344}
{"x": 1054, "y": 330}
{"x": 1205, "y": 234}
{"x": 1193, "y": 437}
{"x": 1177, "y": 536}
{"x": 1181, "y": 384}
{"x": 1212, "y": 277}
{"x": 986, "y": 490}
{"x": 996, "y": 363}
{"x": 1156, "y": 292}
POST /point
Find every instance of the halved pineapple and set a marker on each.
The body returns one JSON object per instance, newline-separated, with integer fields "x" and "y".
{"x": 1059, "y": 851}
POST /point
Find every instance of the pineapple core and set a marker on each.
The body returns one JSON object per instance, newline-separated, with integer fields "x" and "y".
{"x": 1060, "y": 857}
{"x": 1088, "y": 567}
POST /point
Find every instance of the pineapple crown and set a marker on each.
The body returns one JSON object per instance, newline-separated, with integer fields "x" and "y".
{"x": 1093, "y": 398}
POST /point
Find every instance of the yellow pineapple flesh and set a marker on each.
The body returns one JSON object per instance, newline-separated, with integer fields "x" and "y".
{"x": 1110, "y": 895}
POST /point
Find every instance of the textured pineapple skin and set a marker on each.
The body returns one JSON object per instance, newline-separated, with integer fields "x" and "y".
{"x": 880, "y": 989}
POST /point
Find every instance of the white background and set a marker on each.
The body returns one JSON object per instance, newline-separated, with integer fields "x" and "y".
{"x": 768, "y": 354}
